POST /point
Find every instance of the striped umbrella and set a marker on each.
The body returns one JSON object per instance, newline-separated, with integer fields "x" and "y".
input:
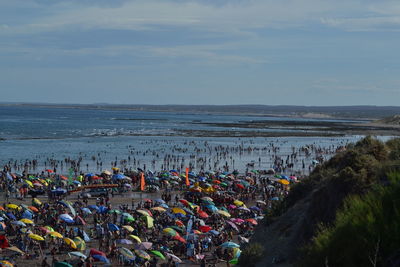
{"x": 142, "y": 254}
{"x": 126, "y": 252}
{"x": 80, "y": 243}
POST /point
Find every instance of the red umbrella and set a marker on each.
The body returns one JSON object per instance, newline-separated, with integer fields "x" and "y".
{"x": 184, "y": 202}
{"x": 179, "y": 238}
{"x": 205, "y": 228}
{"x": 96, "y": 178}
{"x": 252, "y": 221}
{"x": 216, "y": 181}
{"x": 94, "y": 251}
{"x": 203, "y": 214}
{"x": 148, "y": 200}
{"x": 240, "y": 186}
{"x": 64, "y": 178}
{"x": 49, "y": 171}
{"x": 179, "y": 223}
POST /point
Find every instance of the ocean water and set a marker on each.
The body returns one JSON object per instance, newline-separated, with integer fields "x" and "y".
{"x": 141, "y": 138}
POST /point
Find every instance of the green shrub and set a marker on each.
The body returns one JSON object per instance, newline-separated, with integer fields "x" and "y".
{"x": 366, "y": 231}
{"x": 251, "y": 254}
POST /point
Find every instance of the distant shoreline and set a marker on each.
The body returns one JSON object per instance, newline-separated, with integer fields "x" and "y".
{"x": 367, "y": 113}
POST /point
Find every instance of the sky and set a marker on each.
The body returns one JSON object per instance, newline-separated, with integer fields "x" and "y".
{"x": 286, "y": 52}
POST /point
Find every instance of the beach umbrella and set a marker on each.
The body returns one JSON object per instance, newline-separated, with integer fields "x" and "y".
{"x": 179, "y": 223}
{"x": 70, "y": 242}
{"x": 66, "y": 218}
{"x": 144, "y": 245}
{"x": 237, "y": 221}
{"x": 19, "y": 223}
{"x": 128, "y": 228}
{"x": 128, "y": 217}
{"x": 275, "y": 198}
{"x": 36, "y": 237}
{"x": 243, "y": 239}
{"x": 6, "y": 264}
{"x": 77, "y": 254}
{"x": 205, "y": 228}
{"x": 62, "y": 264}
{"x": 15, "y": 249}
{"x": 158, "y": 254}
{"x": 136, "y": 238}
{"x": 13, "y": 206}
{"x": 232, "y": 225}
{"x": 252, "y": 221}
{"x": 165, "y": 206}
{"x": 80, "y": 243}
{"x": 159, "y": 200}
{"x": 94, "y": 251}
{"x": 112, "y": 227}
{"x": 224, "y": 213}
{"x": 34, "y": 209}
{"x": 94, "y": 207}
{"x": 255, "y": 208}
{"x": 169, "y": 231}
{"x": 11, "y": 216}
{"x": 56, "y": 234}
{"x": 179, "y": 238}
{"x": 27, "y": 214}
{"x": 229, "y": 245}
{"x": 160, "y": 209}
{"x": 238, "y": 203}
{"x": 284, "y": 181}
{"x": 212, "y": 208}
{"x": 144, "y": 212}
{"x": 48, "y": 228}
{"x": 2, "y": 226}
{"x": 202, "y": 214}
{"x": 214, "y": 232}
{"x": 142, "y": 254}
{"x": 107, "y": 172}
{"x": 118, "y": 176}
{"x": 243, "y": 208}
{"x": 101, "y": 258}
{"x": 68, "y": 205}
{"x": 126, "y": 253}
{"x": 114, "y": 211}
{"x": 124, "y": 242}
{"x": 173, "y": 257}
{"x": 86, "y": 211}
{"x": 149, "y": 221}
{"x": 26, "y": 221}
{"x": 37, "y": 202}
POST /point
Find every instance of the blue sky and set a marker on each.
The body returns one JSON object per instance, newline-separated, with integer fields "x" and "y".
{"x": 303, "y": 52}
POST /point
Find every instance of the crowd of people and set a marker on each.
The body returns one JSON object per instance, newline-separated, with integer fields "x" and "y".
{"x": 191, "y": 218}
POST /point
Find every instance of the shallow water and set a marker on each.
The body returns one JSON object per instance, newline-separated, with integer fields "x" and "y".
{"x": 44, "y": 133}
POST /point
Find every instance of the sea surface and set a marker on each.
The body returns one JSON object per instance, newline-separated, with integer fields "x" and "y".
{"x": 146, "y": 138}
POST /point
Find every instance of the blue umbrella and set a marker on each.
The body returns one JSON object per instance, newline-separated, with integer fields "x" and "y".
{"x": 214, "y": 232}
{"x": 11, "y": 216}
{"x": 118, "y": 176}
{"x": 113, "y": 227}
{"x": 94, "y": 207}
{"x": 86, "y": 210}
{"x": 103, "y": 209}
{"x": 255, "y": 208}
{"x": 164, "y": 206}
{"x": 27, "y": 215}
{"x": 159, "y": 200}
{"x": 76, "y": 182}
{"x": 90, "y": 175}
{"x": 66, "y": 218}
{"x": 101, "y": 258}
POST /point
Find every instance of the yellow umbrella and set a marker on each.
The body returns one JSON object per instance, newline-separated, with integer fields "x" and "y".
{"x": 36, "y": 237}
{"x": 178, "y": 210}
{"x": 6, "y": 264}
{"x": 26, "y": 221}
{"x": 28, "y": 183}
{"x": 224, "y": 213}
{"x": 284, "y": 181}
{"x": 13, "y": 206}
{"x": 150, "y": 222}
{"x": 80, "y": 243}
{"x": 136, "y": 238}
{"x": 56, "y": 234}
{"x": 44, "y": 182}
{"x": 15, "y": 249}
{"x": 143, "y": 212}
{"x": 160, "y": 209}
{"x": 238, "y": 203}
{"x": 37, "y": 202}
{"x": 128, "y": 228}
{"x": 70, "y": 242}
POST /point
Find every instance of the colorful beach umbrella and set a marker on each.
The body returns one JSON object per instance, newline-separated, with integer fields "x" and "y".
{"x": 6, "y": 264}
{"x": 158, "y": 254}
{"x": 36, "y": 237}
{"x": 126, "y": 253}
{"x": 70, "y": 242}
{"x": 80, "y": 243}
{"x": 224, "y": 213}
{"x": 135, "y": 237}
{"x": 229, "y": 245}
{"x": 142, "y": 254}
{"x": 56, "y": 234}
{"x": 128, "y": 228}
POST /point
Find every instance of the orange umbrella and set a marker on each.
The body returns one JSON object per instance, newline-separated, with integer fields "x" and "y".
{"x": 34, "y": 209}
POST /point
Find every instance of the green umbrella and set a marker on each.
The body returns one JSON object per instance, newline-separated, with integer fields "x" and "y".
{"x": 62, "y": 264}
{"x": 234, "y": 261}
{"x": 158, "y": 254}
{"x": 114, "y": 211}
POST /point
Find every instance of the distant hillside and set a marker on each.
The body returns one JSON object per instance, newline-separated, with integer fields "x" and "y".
{"x": 362, "y": 112}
